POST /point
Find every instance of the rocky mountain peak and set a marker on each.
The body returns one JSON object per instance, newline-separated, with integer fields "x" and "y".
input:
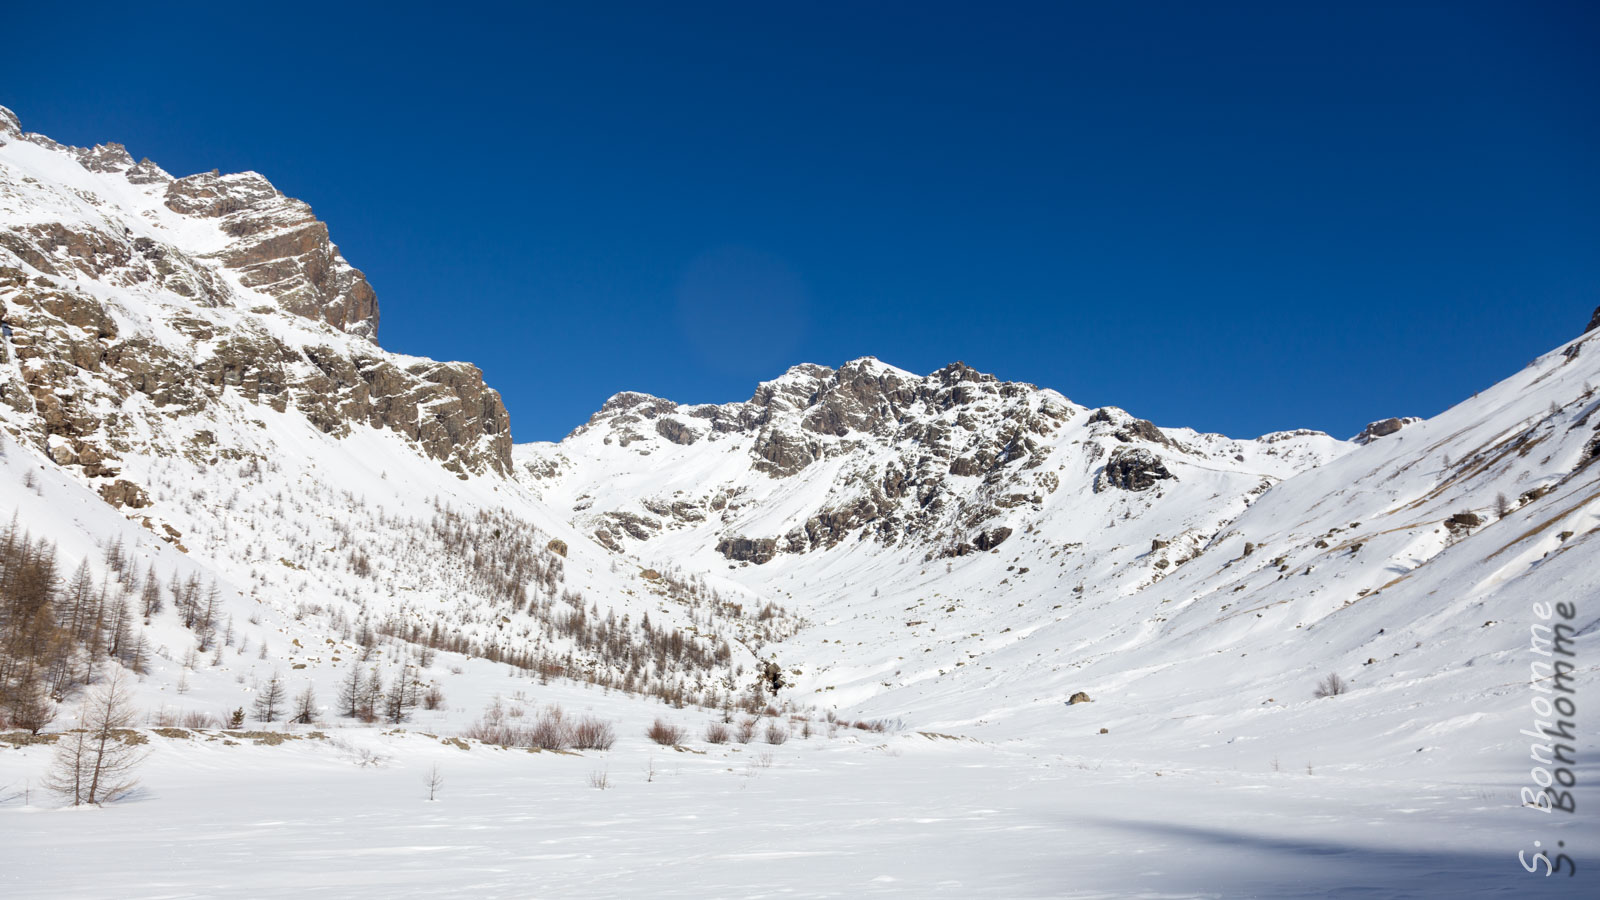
{"x": 150, "y": 314}
{"x": 274, "y": 242}
{"x": 626, "y": 400}
{"x": 280, "y": 248}
{"x": 108, "y": 158}
{"x": 958, "y": 371}
{"x": 794, "y": 389}
{"x": 951, "y": 463}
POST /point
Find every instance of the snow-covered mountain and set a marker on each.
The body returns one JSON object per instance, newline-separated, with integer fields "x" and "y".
{"x": 192, "y": 396}
{"x": 196, "y": 353}
{"x": 953, "y": 536}
{"x": 945, "y": 465}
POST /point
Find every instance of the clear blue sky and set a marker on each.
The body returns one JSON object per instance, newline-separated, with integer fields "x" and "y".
{"x": 1235, "y": 217}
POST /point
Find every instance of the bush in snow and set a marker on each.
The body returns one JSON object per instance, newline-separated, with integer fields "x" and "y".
{"x": 747, "y": 730}
{"x": 590, "y": 733}
{"x": 665, "y": 734}
{"x": 1331, "y": 686}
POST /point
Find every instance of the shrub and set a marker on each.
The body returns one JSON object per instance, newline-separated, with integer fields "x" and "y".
{"x": 433, "y": 698}
{"x": 747, "y": 730}
{"x": 196, "y": 721}
{"x": 665, "y": 734}
{"x": 1331, "y": 686}
{"x": 776, "y": 734}
{"x": 550, "y": 732}
{"x": 877, "y": 725}
{"x": 491, "y": 728}
{"x": 498, "y": 734}
{"x": 718, "y": 733}
{"x": 600, "y": 779}
{"x": 590, "y": 733}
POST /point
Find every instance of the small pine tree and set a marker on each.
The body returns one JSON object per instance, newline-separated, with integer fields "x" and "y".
{"x": 372, "y": 695}
{"x": 30, "y": 707}
{"x": 93, "y": 764}
{"x": 305, "y": 707}
{"x": 269, "y": 700}
{"x": 394, "y": 701}
{"x": 351, "y": 690}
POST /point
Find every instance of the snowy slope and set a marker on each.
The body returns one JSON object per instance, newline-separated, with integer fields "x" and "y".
{"x": 190, "y": 375}
{"x": 1131, "y": 594}
{"x": 159, "y": 353}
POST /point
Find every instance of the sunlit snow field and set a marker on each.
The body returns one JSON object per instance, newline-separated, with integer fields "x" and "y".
{"x": 902, "y": 814}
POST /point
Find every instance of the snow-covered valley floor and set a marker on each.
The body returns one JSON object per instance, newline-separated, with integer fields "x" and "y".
{"x": 859, "y": 814}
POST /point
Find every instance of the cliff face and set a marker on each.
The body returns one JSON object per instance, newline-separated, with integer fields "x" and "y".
{"x": 948, "y": 464}
{"x": 279, "y": 249}
{"x": 136, "y": 306}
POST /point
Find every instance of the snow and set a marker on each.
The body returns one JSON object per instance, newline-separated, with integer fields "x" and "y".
{"x": 901, "y": 815}
{"x": 1204, "y": 767}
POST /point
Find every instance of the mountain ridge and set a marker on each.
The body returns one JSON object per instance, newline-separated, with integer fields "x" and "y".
{"x": 950, "y": 549}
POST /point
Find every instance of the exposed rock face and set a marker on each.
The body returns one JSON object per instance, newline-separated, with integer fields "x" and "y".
{"x": 676, "y": 432}
{"x": 948, "y": 464}
{"x": 178, "y": 340}
{"x": 982, "y": 542}
{"x": 757, "y": 551}
{"x": 1463, "y": 522}
{"x": 279, "y": 249}
{"x": 1127, "y": 429}
{"x": 781, "y": 454}
{"x": 1594, "y": 321}
{"x": 1383, "y": 428}
{"x": 1135, "y": 469}
{"x": 121, "y": 493}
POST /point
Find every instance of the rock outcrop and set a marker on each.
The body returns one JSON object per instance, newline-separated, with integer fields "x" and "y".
{"x": 1383, "y": 428}
{"x": 946, "y": 465}
{"x": 758, "y": 551}
{"x": 279, "y": 249}
{"x": 1133, "y": 469}
{"x": 112, "y": 312}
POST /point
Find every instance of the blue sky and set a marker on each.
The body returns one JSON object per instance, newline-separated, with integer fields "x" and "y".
{"x": 1237, "y": 217}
